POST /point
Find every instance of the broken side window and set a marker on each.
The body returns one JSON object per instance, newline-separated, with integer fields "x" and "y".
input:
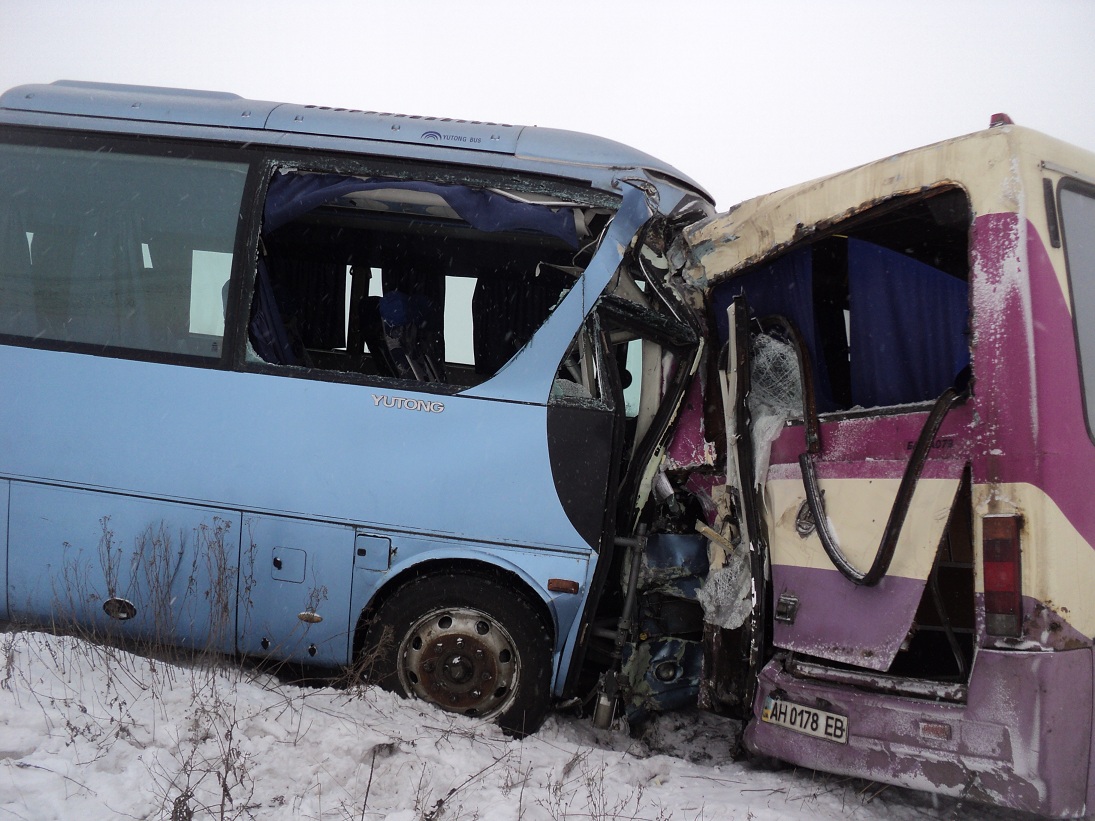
{"x": 640, "y": 342}
{"x": 879, "y": 302}
{"x": 611, "y": 401}
{"x": 410, "y": 279}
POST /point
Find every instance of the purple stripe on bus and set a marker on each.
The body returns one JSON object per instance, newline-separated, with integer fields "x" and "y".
{"x": 1050, "y": 449}
{"x": 821, "y": 624}
{"x": 888, "y": 438}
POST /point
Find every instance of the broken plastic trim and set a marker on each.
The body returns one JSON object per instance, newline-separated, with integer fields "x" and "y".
{"x": 878, "y": 682}
{"x": 648, "y": 323}
{"x": 736, "y": 364}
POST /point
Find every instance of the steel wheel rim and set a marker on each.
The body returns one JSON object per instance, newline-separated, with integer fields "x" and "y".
{"x": 462, "y": 660}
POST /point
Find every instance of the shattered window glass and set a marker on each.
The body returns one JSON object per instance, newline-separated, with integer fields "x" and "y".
{"x": 880, "y": 304}
{"x": 405, "y": 278}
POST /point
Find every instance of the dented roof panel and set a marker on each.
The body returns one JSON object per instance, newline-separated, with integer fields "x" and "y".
{"x": 982, "y": 163}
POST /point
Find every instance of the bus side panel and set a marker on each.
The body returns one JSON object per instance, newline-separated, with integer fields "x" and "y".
{"x": 130, "y": 567}
{"x": 283, "y": 449}
{"x": 871, "y": 624}
{"x": 295, "y": 589}
{"x": 383, "y": 455}
{"x": 1030, "y": 391}
{"x": 5, "y": 490}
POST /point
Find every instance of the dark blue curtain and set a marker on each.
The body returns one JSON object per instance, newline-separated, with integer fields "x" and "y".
{"x": 783, "y": 287}
{"x": 268, "y": 334}
{"x": 908, "y": 327}
{"x": 291, "y": 195}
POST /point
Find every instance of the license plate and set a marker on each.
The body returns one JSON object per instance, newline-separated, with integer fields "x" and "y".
{"x": 807, "y": 720}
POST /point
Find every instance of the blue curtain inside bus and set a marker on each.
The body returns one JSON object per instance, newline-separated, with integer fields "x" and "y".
{"x": 291, "y": 195}
{"x": 783, "y": 287}
{"x": 908, "y": 327}
{"x": 907, "y": 338}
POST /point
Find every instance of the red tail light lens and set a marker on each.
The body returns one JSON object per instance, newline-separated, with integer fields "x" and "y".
{"x": 1003, "y": 580}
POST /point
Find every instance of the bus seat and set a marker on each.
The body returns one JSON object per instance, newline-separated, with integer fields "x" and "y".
{"x": 508, "y": 309}
{"x": 372, "y": 331}
{"x": 403, "y": 319}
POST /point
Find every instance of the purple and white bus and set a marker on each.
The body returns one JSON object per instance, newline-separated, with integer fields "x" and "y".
{"x": 906, "y": 364}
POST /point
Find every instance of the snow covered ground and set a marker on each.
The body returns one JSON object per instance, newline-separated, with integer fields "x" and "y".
{"x": 91, "y": 732}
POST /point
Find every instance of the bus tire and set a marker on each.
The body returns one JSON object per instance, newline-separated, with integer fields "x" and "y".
{"x": 467, "y": 644}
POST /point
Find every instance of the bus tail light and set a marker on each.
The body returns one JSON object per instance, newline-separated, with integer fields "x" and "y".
{"x": 1003, "y": 580}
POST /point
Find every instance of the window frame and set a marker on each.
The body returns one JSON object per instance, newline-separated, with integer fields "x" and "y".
{"x": 94, "y": 142}
{"x": 849, "y": 225}
{"x": 1072, "y": 185}
{"x": 582, "y": 193}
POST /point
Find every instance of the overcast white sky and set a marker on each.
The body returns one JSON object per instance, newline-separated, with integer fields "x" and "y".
{"x": 745, "y": 97}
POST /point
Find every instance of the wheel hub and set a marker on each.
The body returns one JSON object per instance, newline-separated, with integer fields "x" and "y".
{"x": 458, "y": 669}
{"x": 460, "y": 659}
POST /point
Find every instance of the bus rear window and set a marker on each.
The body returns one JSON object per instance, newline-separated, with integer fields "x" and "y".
{"x": 1078, "y": 222}
{"x": 880, "y": 300}
{"x": 116, "y": 250}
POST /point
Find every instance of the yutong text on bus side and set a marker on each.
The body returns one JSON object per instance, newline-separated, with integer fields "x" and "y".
{"x": 506, "y": 417}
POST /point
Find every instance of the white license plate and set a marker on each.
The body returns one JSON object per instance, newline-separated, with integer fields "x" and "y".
{"x": 807, "y": 720}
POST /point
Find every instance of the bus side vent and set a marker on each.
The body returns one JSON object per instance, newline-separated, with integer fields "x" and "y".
{"x": 1003, "y": 579}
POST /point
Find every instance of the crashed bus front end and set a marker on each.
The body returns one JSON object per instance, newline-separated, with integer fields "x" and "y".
{"x": 884, "y": 451}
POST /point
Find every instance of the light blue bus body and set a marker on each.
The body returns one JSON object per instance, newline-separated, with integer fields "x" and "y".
{"x": 175, "y": 465}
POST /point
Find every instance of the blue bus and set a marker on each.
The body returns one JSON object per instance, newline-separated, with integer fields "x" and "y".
{"x": 334, "y": 386}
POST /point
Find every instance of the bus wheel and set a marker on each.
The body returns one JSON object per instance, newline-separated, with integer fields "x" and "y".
{"x": 467, "y": 644}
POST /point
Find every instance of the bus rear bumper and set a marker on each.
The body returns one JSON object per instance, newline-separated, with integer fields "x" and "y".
{"x": 1022, "y": 739}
